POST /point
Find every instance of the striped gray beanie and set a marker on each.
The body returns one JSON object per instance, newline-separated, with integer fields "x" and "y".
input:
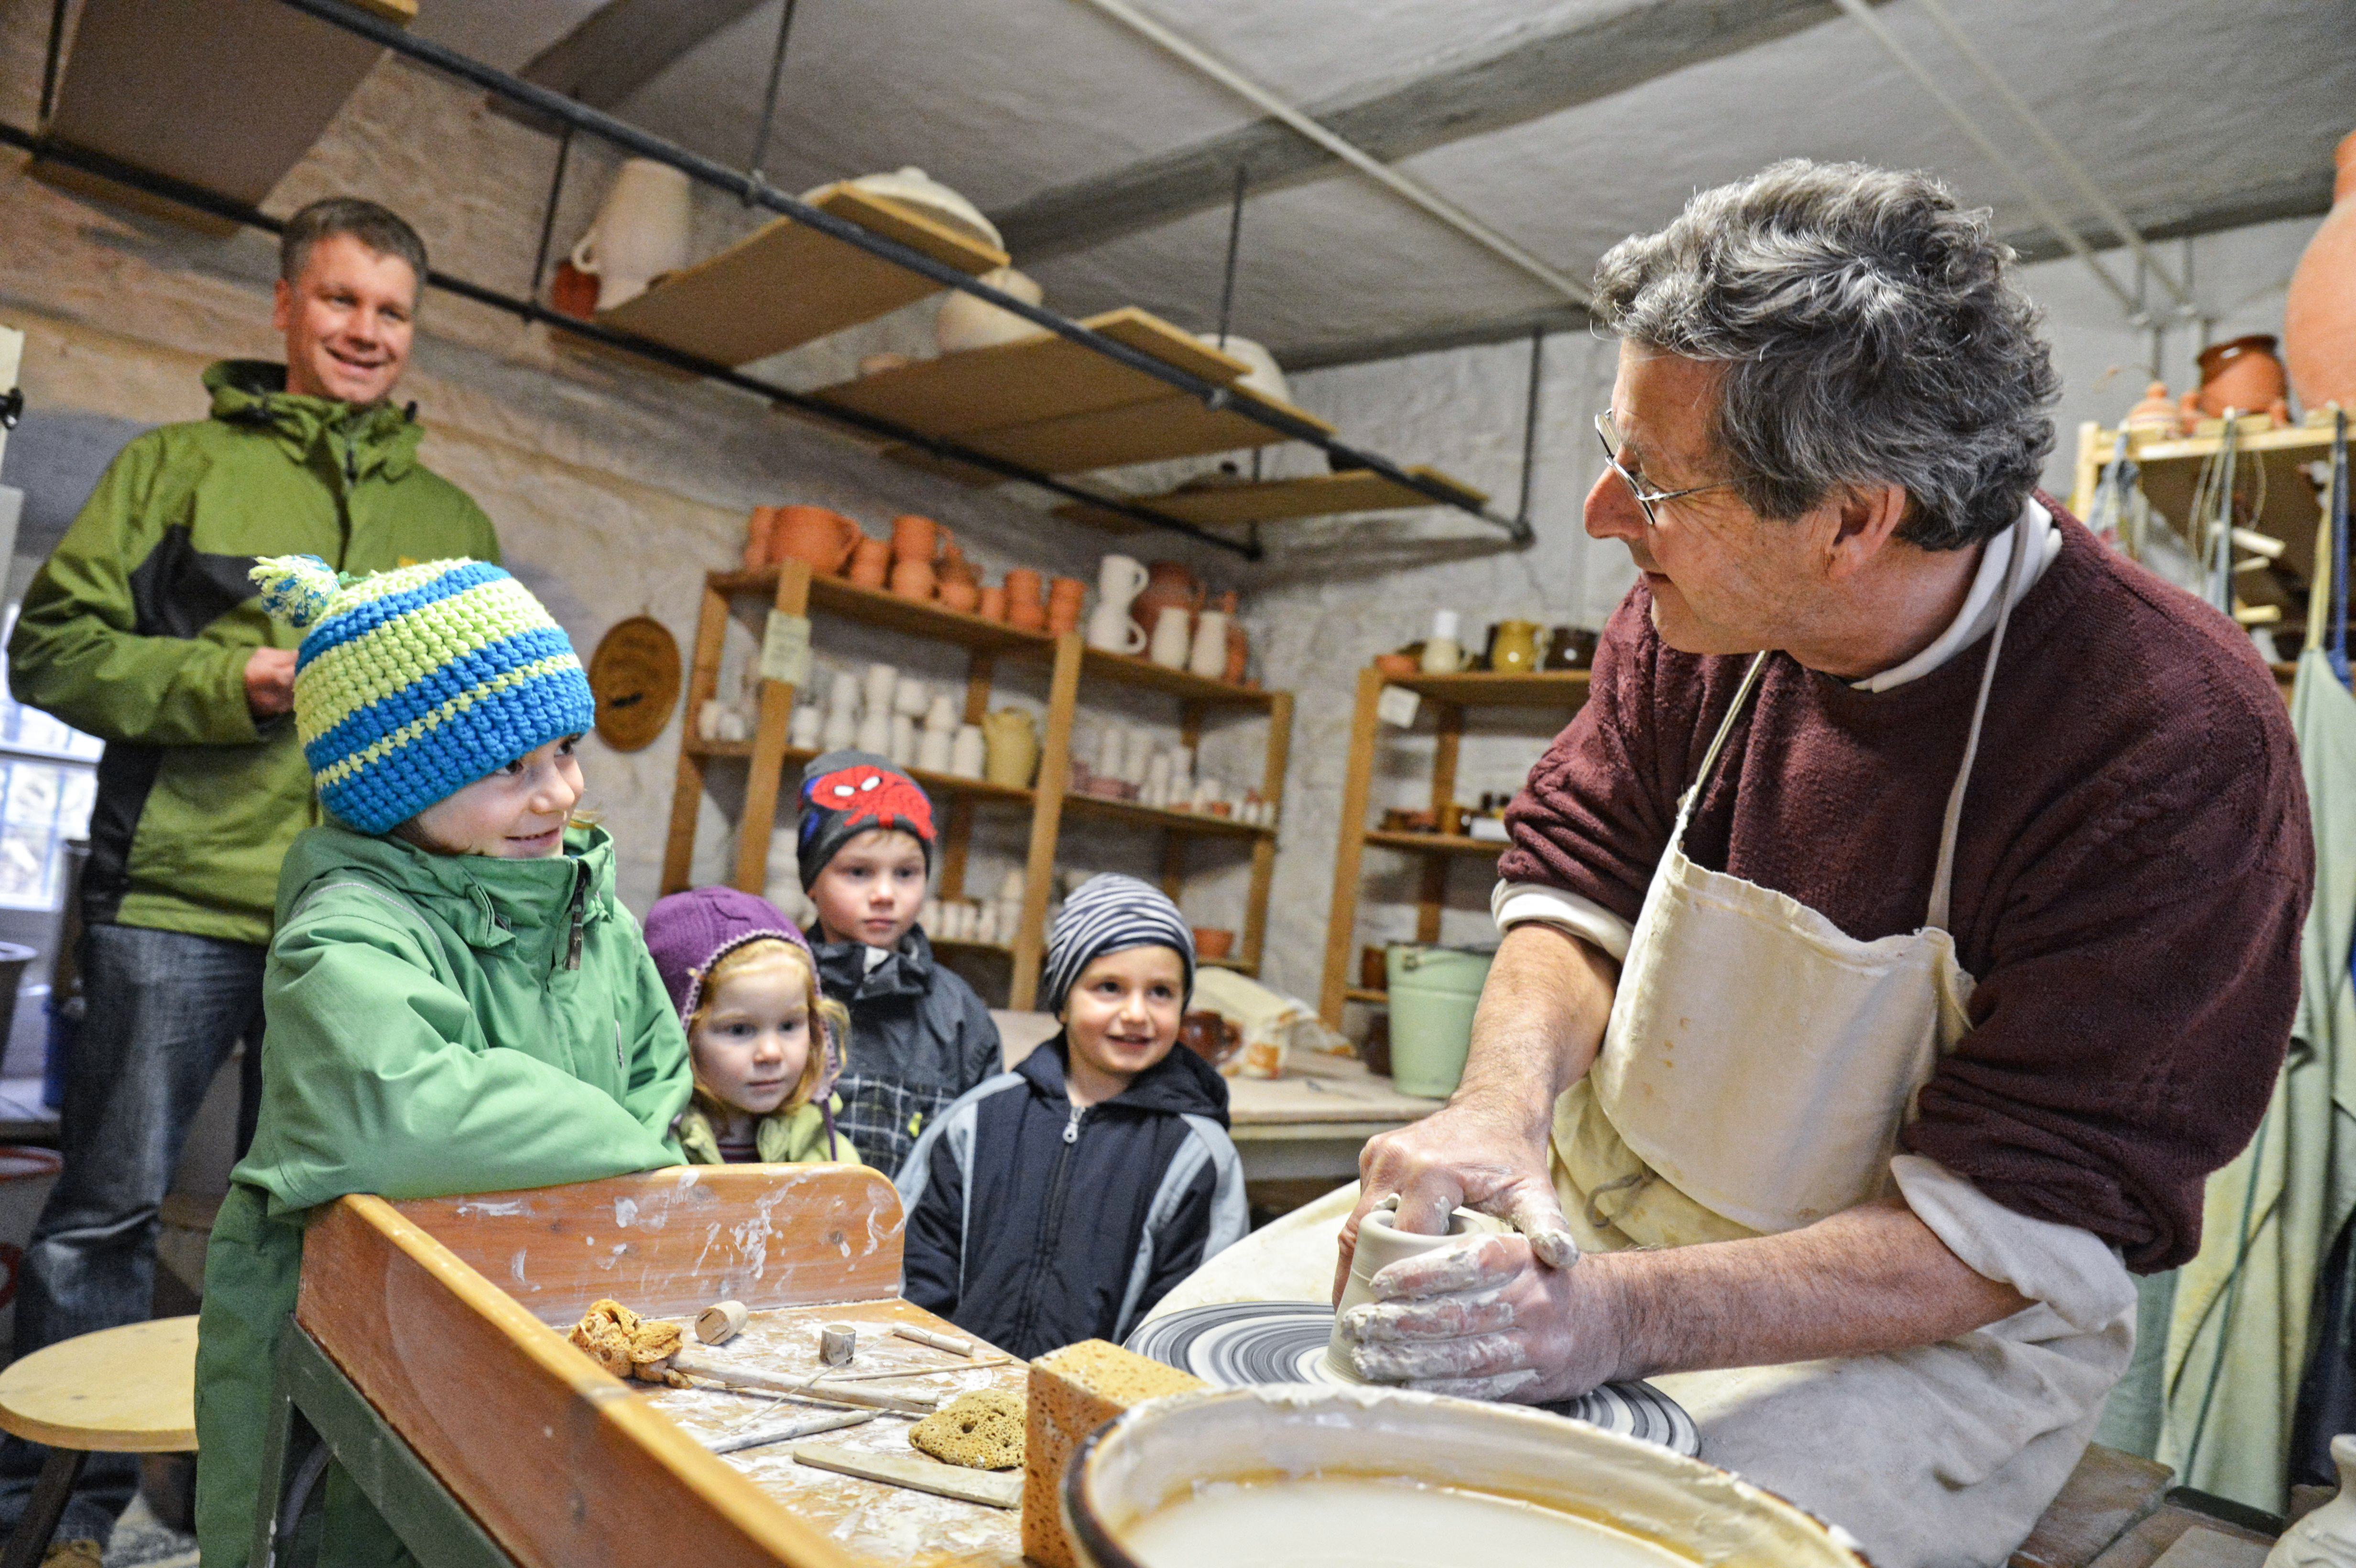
{"x": 1112, "y": 914}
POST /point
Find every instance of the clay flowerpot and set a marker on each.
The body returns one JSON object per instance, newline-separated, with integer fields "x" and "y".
{"x": 2240, "y": 374}
{"x": 1024, "y": 612}
{"x": 1065, "y": 597}
{"x": 993, "y": 605}
{"x": 1167, "y": 585}
{"x": 1396, "y": 667}
{"x": 914, "y": 538}
{"x": 1213, "y": 941}
{"x": 2320, "y": 313}
{"x": 871, "y": 563}
{"x": 959, "y": 588}
{"x": 822, "y": 537}
{"x": 760, "y": 529}
{"x": 913, "y": 578}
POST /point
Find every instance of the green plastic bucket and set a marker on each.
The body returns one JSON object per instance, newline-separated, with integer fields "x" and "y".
{"x": 1433, "y": 991}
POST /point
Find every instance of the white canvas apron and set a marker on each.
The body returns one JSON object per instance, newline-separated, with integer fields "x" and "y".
{"x": 1756, "y": 1070}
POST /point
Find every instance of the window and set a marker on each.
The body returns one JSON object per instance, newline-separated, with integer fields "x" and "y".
{"x": 47, "y": 783}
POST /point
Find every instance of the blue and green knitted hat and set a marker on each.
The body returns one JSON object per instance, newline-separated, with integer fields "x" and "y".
{"x": 412, "y": 684}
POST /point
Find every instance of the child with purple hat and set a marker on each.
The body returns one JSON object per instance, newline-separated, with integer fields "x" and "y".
{"x": 766, "y": 1044}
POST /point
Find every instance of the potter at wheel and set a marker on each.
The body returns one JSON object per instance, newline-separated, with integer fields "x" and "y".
{"x": 1237, "y": 1343}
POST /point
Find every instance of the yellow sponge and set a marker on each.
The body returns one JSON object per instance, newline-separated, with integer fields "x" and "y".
{"x": 1073, "y": 1390}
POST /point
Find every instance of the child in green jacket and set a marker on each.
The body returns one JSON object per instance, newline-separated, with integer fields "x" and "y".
{"x": 457, "y": 1001}
{"x": 766, "y": 1044}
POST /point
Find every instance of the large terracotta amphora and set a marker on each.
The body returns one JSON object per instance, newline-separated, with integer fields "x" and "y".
{"x": 2319, "y": 315}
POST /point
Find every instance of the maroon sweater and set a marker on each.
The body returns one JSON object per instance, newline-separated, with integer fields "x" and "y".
{"x": 2133, "y": 870}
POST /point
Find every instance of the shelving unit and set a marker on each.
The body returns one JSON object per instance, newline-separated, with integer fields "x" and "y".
{"x": 793, "y": 590}
{"x": 1448, "y": 697}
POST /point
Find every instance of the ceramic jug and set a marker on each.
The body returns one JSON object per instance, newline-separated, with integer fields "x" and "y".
{"x": 2320, "y": 313}
{"x": 1173, "y": 635}
{"x": 2326, "y": 1538}
{"x": 1167, "y": 583}
{"x": 1442, "y": 653}
{"x": 1514, "y": 649}
{"x": 1120, "y": 579}
{"x": 1208, "y": 657}
{"x": 1011, "y": 745}
{"x": 2240, "y": 374}
{"x": 968, "y": 752}
{"x": 640, "y": 234}
{"x": 914, "y": 538}
{"x": 814, "y": 534}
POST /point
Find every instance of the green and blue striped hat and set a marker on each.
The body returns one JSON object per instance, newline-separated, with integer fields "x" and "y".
{"x": 411, "y": 684}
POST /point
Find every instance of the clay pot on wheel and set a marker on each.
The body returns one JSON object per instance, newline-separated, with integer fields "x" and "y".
{"x": 2319, "y": 315}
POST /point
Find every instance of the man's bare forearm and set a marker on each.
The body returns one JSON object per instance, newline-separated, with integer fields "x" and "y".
{"x": 1539, "y": 1024}
{"x": 1870, "y": 1279}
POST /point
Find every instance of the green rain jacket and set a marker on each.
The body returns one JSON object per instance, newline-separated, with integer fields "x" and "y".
{"x": 138, "y": 627}
{"x": 782, "y": 1137}
{"x": 437, "y": 1025}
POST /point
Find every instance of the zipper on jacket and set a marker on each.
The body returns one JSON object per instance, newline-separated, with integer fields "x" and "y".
{"x": 1052, "y": 1234}
{"x": 572, "y": 945}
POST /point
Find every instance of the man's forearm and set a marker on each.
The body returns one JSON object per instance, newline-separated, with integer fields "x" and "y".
{"x": 1540, "y": 1023}
{"x": 1871, "y": 1279}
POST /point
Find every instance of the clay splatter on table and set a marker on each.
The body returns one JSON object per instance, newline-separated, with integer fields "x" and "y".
{"x": 866, "y": 1517}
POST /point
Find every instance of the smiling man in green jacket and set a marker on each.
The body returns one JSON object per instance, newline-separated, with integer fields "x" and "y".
{"x": 144, "y": 630}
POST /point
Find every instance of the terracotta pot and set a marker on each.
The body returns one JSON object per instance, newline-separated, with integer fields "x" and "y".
{"x": 1238, "y": 642}
{"x": 1213, "y": 941}
{"x": 914, "y": 538}
{"x": 993, "y": 605}
{"x": 1210, "y": 1036}
{"x": 1167, "y": 583}
{"x": 760, "y": 529}
{"x": 1024, "y": 609}
{"x": 822, "y": 537}
{"x": 913, "y": 578}
{"x": 1065, "y": 597}
{"x": 572, "y": 291}
{"x": 959, "y": 589}
{"x": 1396, "y": 667}
{"x": 871, "y": 563}
{"x": 2242, "y": 374}
{"x": 2319, "y": 315}
{"x": 2156, "y": 415}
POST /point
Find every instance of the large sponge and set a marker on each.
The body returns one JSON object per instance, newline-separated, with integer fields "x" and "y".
{"x": 981, "y": 1430}
{"x": 1073, "y": 1390}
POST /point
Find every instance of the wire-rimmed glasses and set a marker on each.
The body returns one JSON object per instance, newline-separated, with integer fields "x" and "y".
{"x": 1609, "y": 434}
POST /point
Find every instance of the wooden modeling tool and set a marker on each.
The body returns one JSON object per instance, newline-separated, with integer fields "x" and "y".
{"x": 837, "y": 1343}
{"x": 701, "y": 1364}
{"x": 984, "y": 1487}
{"x": 949, "y": 1342}
{"x": 786, "y": 1431}
{"x": 721, "y": 1322}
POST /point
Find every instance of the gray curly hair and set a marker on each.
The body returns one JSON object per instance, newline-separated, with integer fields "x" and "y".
{"x": 1872, "y": 334}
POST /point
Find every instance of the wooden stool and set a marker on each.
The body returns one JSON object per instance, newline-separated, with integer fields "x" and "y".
{"x": 131, "y": 1390}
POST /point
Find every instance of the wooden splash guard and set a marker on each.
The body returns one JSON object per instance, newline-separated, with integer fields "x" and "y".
{"x": 560, "y": 1463}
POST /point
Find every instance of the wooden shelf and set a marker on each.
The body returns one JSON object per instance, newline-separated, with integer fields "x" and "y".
{"x": 938, "y": 783}
{"x": 784, "y": 285}
{"x": 1127, "y": 669}
{"x": 1551, "y": 689}
{"x": 875, "y": 607}
{"x": 1372, "y": 998}
{"x": 1435, "y": 843}
{"x": 1274, "y": 500}
{"x": 696, "y": 747}
{"x": 1153, "y": 431}
{"x": 1200, "y": 824}
{"x": 1240, "y": 966}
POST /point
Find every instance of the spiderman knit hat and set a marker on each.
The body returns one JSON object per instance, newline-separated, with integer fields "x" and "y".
{"x": 844, "y": 794}
{"x": 412, "y": 684}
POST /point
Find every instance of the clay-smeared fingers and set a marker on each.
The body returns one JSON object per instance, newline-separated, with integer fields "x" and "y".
{"x": 1431, "y": 1318}
{"x": 1476, "y": 1262}
{"x": 1518, "y": 1386}
{"x": 1536, "y": 1214}
{"x": 1411, "y": 1360}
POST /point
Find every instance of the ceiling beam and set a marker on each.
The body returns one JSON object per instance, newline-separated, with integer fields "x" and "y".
{"x": 626, "y": 44}
{"x": 2306, "y": 195}
{"x": 1503, "y": 83}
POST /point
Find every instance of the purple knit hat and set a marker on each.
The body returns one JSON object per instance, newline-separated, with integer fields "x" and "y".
{"x": 688, "y": 933}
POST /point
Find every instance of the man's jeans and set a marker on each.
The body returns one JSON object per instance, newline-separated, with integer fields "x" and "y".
{"x": 163, "y": 1009}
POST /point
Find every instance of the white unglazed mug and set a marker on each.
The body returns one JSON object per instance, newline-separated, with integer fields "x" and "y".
{"x": 1380, "y": 1244}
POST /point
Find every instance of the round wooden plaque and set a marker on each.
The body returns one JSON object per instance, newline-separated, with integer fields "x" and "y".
{"x": 635, "y": 675}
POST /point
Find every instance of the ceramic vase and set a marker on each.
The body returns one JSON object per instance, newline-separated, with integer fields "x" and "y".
{"x": 1173, "y": 636}
{"x": 1112, "y": 751}
{"x": 933, "y": 750}
{"x": 841, "y": 731}
{"x": 2326, "y": 1538}
{"x": 875, "y": 732}
{"x": 1208, "y": 656}
{"x": 878, "y": 686}
{"x": 1137, "y": 757}
{"x": 2320, "y": 313}
{"x": 640, "y": 232}
{"x": 910, "y": 697}
{"x": 941, "y": 713}
{"x": 1380, "y": 1244}
{"x": 902, "y": 749}
{"x": 1442, "y": 653}
{"x": 968, "y": 753}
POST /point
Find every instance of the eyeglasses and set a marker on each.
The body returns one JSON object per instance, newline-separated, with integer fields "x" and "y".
{"x": 1609, "y": 435}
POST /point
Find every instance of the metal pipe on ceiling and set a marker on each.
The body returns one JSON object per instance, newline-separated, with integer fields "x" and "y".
{"x": 2045, "y": 211}
{"x": 755, "y": 191}
{"x": 2063, "y": 159}
{"x": 1350, "y": 152}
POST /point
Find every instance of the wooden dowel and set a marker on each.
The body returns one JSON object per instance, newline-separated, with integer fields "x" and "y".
{"x": 782, "y": 1431}
{"x": 698, "y": 1363}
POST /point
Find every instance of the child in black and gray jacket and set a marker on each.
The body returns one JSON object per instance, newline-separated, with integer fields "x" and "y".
{"x": 1061, "y": 1200}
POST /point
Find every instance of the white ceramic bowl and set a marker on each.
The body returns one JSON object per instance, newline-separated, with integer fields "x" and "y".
{"x": 912, "y": 186}
{"x": 1168, "y": 1450}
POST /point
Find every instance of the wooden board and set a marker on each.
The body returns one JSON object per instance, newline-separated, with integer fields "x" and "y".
{"x": 916, "y": 1473}
{"x": 1128, "y": 670}
{"x": 1475, "y": 689}
{"x": 226, "y": 95}
{"x": 1277, "y": 500}
{"x": 1037, "y": 379}
{"x": 1147, "y": 432}
{"x": 1435, "y": 843}
{"x": 784, "y": 285}
{"x": 1198, "y": 824}
{"x": 2107, "y": 1493}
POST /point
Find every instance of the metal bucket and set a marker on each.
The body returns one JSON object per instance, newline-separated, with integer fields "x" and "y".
{"x": 1433, "y": 993}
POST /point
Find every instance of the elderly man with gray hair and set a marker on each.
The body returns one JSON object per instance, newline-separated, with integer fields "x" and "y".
{"x": 1901, "y": 933}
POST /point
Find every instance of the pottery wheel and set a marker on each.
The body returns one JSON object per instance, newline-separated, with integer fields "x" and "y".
{"x": 1232, "y": 1343}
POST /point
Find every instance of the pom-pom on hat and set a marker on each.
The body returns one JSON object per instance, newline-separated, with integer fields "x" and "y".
{"x": 411, "y": 684}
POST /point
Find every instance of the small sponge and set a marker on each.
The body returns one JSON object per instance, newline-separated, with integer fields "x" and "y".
{"x": 981, "y": 1430}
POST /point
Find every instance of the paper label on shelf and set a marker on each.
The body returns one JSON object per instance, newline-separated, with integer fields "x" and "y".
{"x": 1397, "y": 706}
{"x": 785, "y": 649}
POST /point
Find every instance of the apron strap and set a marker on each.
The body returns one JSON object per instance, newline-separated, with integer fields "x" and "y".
{"x": 1718, "y": 742}
{"x": 1943, "y": 880}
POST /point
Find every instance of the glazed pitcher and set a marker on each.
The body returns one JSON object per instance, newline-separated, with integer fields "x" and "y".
{"x": 1011, "y": 748}
{"x": 1514, "y": 649}
{"x": 640, "y": 232}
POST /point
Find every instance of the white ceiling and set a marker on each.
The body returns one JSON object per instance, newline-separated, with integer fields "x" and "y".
{"x": 2166, "y": 101}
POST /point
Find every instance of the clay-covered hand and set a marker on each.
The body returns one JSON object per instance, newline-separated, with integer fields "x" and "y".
{"x": 1465, "y": 1155}
{"x": 1488, "y": 1319}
